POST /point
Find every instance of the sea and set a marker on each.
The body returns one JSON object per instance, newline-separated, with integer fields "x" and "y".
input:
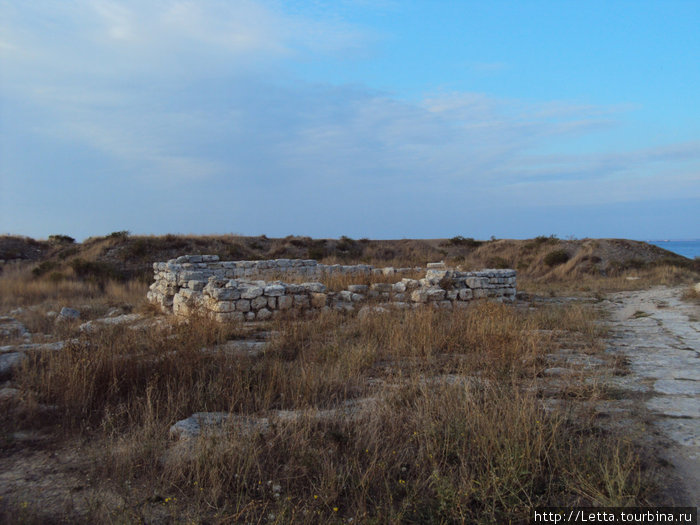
{"x": 689, "y": 249}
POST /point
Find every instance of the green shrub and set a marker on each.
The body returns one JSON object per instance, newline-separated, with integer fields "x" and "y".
{"x": 498, "y": 262}
{"x": 44, "y": 267}
{"x": 123, "y": 234}
{"x": 61, "y": 239}
{"x": 556, "y": 257}
{"x": 95, "y": 271}
{"x": 464, "y": 241}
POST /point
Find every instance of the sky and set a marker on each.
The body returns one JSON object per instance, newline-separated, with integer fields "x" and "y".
{"x": 379, "y": 119}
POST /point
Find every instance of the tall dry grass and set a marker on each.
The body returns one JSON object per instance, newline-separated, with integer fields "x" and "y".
{"x": 19, "y": 287}
{"x": 455, "y": 432}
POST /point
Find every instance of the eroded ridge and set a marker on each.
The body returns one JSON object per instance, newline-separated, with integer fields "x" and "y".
{"x": 239, "y": 291}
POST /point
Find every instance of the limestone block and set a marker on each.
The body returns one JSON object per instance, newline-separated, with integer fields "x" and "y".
{"x": 195, "y": 285}
{"x": 243, "y": 305}
{"x": 251, "y": 292}
{"x": 479, "y": 293}
{"x": 381, "y": 287}
{"x": 465, "y": 294}
{"x": 411, "y": 284}
{"x": 314, "y": 287}
{"x": 389, "y": 270}
{"x": 250, "y": 316}
{"x": 437, "y": 265}
{"x": 258, "y": 302}
{"x": 435, "y": 293}
{"x": 419, "y": 295}
{"x": 357, "y": 297}
{"x": 358, "y": 288}
{"x": 451, "y": 295}
{"x": 224, "y": 294}
{"x": 285, "y": 302}
{"x": 294, "y": 289}
{"x": 274, "y": 290}
{"x": 223, "y": 306}
{"x": 476, "y": 282}
{"x": 345, "y": 295}
{"x": 263, "y": 314}
{"x": 210, "y": 258}
{"x": 301, "y": 299}
{"x": 272, "y": 303}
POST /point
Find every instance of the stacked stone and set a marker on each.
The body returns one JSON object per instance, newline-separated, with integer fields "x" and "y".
{"x": 186, "y": 271}
{"x": 449, "y": 288}
{"x": 244, "y": 300}
{"x": 203, "y": 284}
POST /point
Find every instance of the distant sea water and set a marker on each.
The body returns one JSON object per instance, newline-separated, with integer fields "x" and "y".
{"x": 689, "y": 249}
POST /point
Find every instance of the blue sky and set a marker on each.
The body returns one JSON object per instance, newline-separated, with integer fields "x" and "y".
{"x": 379, "y": 119}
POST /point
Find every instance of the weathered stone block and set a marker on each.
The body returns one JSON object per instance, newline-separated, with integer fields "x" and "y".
{"x": 251, "y": 292}
{"x": 465, "y": 294}
{"x": 435, "y": 293}
{"x": 274, "y": 290}
{"x": 263, "y": 314}
{"x": 243, "y": 305}
{"x": 399, "y": 287}
{"x": 301, "y": 300}
{"x": 258, "y": 302}
{"x": 285, "y": 302}
{"x": 224, "y": 306}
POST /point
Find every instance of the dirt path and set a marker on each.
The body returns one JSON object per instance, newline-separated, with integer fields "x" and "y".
{"x": 659, "y": 334}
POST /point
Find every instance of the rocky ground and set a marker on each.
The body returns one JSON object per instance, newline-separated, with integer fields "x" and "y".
{"x": 659, "y": 336}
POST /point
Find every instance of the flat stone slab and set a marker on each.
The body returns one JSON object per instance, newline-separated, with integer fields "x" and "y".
{"x": 95, "y": 324}
{"x": 675, "y": 406}
{"x": 677, "y": 387}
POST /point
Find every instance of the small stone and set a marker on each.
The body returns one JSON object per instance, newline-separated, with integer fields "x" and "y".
{"x": 69, "y": 313}
{"x": 9, "y": 362}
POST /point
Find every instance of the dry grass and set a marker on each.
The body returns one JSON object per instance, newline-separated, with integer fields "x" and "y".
{"x": 596, "y": 284}
{"x": 19, "y": 287}
{"x": 692, "y": 293}
{"x": 456, "y": 432}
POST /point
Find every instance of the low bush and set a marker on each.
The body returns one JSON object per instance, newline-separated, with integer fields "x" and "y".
{"x": 556, "y": 257}
{"x": 96, "y": 271}
{"x": 61, "y": 239}
{"x": 469, "y": 242}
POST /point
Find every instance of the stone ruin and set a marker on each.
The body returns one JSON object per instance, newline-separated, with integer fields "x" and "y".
{"x": 238, "y": 290}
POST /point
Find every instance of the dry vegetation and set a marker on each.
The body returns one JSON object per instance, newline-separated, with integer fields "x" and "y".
{"x": 450, "y": 424}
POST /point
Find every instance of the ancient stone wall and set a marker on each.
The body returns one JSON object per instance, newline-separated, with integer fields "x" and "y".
{"x": 228, "y": 291}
